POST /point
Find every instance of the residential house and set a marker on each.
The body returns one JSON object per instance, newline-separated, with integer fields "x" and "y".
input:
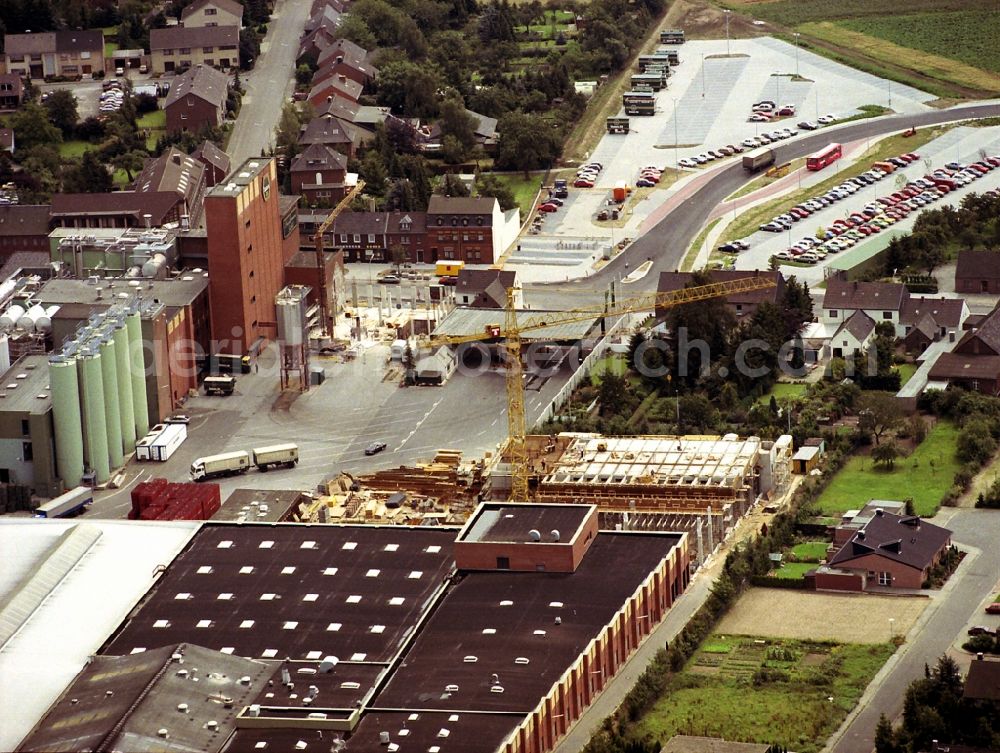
{"x": 485, "y": 130}
{"x": 891, "y": 550}
{"x": 336, "y": 85}
{"x": 177, "y": 173}
{"x": 853, "y": 336}
{"x": 359, "y": 70}
{"x": 115, "y": 209}
{"x": 197, "y": 98}
{"x": 313, "y": 44}
{"x": 215, "y": 160}
{"x": 469, "y": 229}
{"x": 326, "y": 18}
{"x": 338, "y": 107}
{"x": 319, "y": 174}
{"x": 11, "y": 91}
{"x": 974, "y": 362}
{"x": 927, "y": 320}
{"x": 983, "y": 681}
{"x": 7, "y": 140}
{"x": 23, "y": 227}
{"x": 977, "y": 272}
{"x": 204, "y": 13}
{"x": 487, "y": 288}
{"x": 882, "y": 301}
{"x": 338, "y": 5}
{"x": 342, "y": 48}
{"x": 178, "y": 48}
{"x": 741, "y": 304}
{"x": 329, "y": 132}
{"x": 369, "y": 236}
{"x": 69, "y": 53}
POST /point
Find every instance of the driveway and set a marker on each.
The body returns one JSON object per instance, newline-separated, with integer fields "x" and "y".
{"x": 945, "y": 619}
{"x": 269, "y": 85}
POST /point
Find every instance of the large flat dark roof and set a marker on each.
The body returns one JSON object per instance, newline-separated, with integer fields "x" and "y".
{"x": 336, "y": 688}
{"x": 413, "y": 732}
{"x": 521, "y": 609}
{"x": 277, "y": 591}
{"x": 512, "y": 523}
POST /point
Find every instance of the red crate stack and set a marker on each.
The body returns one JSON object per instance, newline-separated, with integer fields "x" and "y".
{"x": 158, "y": 499}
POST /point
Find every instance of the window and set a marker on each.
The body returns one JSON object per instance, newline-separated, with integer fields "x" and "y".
{"x": 885, "y": 579}
{"x": 503, "y": 563}
{"x": 405, "y": 240}
{"x": 343, "y": 237}
{"x": 210, "y": 11}
{"x": 357, "y": 237}
{"x": 25, "y": 428}
{"x": 887, "y": 315}
{"x": 168, "y": 52}
{"x": 833, "y": 313}
{"x": 208, "y": 49}
{"x": 371, "y": 237}
{"x": 185, "y": 50}
{"x": 27, "y": 451}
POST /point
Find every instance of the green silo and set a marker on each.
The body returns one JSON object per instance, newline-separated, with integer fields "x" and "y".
{"x": 109, "y": 380}
{"x": 125, "y": 408}
{"x": 65, "y": 387}
{"x": 95, "y": 430}
{"x": 137, "y": 373}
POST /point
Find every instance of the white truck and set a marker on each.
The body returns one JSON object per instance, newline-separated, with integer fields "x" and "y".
{"x": 161, "y": 442}
{"x": 224, "y": 464}
{"x": 67, "y": 505}
{"x": 275, "y": 455}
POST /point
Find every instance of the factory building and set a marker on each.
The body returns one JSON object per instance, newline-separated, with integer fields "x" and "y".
{"x": 131, "y": 253}
{"x": 27, "y": 449}
{"x": 343, "y": 637}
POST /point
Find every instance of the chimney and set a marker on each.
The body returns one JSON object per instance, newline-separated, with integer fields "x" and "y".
{"x": 148, "y": 219}
{"x": 343, "y": 78}
{"x": 879, "y": 511}
{"x": 979, "y": 656}
{"x": 340, "y": 59}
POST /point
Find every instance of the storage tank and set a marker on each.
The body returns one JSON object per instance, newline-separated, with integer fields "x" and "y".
{"x": 112, "y": 414}
{"x": 126, "y": 411}
{"x": 29, "y": 317}
{"x": 10, "y": 317}
{"x": 137, "y": 373}
{"x": 152, "y": 267}
{"x": 66, "y": 418}
{"x": 95, "y": 430}
{"x": 4, "y": 353}
{"x": 43, "y": 323}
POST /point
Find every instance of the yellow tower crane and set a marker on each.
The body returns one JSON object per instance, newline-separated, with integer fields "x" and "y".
{"x": 326, "y": 320}
{"x": 514, "y": 326}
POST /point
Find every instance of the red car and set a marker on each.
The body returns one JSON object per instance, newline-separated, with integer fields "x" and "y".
{"x": 993, "y": 608}
{"x": 548, "y": 208}
{"x": 583, "y": 183}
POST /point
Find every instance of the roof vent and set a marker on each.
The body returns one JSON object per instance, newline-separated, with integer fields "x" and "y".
{"x": 383, "y": 737}
{"x": 211, "y": 724}
{"x": 182, "y": 707}
{"x": 555, "y": 534}
{"x": 162, "y": 732}
{"x": 879, "y": 511}
{"x": 535, "y": 535}
{"x": 451, "y": 688}
{"x": 470, "y": 659}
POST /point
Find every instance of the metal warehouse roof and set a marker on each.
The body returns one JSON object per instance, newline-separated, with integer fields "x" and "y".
{"x": 463, "y": 322}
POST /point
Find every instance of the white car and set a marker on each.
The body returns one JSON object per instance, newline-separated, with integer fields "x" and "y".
{"x": 826, "y": 119}
{"x": 749, "y": 143}
{"x": 686, "y": 162}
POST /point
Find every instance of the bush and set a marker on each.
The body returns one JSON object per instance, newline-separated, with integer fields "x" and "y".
{"x": 145, "y": 103}
{"x": 981, "y": 644}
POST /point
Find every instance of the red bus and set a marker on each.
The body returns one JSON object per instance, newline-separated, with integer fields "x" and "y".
{"x": 823, "y": 157}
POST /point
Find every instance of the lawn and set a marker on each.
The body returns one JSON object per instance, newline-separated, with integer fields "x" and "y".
{"x": 926, "y": 476}
{"x": 154, "y": 119}
{"x": 74, "y": 149}
{"x": 696, "y": 244}
{"x": 795, "y": 12}
{"x": 524, "y": 190}
{"x": 906, "y": 370}
{"x": 614, "y": 364}
{"x": 784, "y": 391}
{"x": 764, "y": 690}
{"x": 793, "y": 570}
{"x": 810, "y": 551}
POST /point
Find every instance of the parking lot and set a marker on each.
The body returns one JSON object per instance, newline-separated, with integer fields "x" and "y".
{"x": 705, "y": 106}
{"x": 961, "y": 144}
{"x": 88, "y": 91}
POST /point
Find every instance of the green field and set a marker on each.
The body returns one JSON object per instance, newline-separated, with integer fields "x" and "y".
{"x": 793, "y": 570}
{"x": 810, "y": 551}
{"x": 906, "y": 370}
{"x": 613, "y": 364}
{"x": 524, "y": 190}
{"x": 784, "y": 391}
{"x": 968, "y": 36}
{"x": 926, "y": 476}
{"x": 74, "y": 149}
{"x": 764, "y": 690}
{"x": 795, "y": 12}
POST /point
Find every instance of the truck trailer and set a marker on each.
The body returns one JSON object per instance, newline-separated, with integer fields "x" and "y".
{"x": 161, "y": 442}
{"x": 275, "y": 455}
{"x": 68, "y": 504}
{"x": 759, "y": 159}
{"x": 224, "y": 464}
{"x": 220, "y": 385}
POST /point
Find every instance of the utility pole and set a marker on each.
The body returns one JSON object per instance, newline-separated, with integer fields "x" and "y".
{"x": 727, "y": 12}
{"x": 677, "y": 162}
{"x": 796, "y": 35}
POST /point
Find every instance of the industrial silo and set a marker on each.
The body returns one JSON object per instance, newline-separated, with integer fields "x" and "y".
{"x": 137, "y": 373}
{"x": 65, "y": 388}
{"x": 112, "y": 414}
{"x": 95, "y": 430}
{"x": 10, "y": 317}
{"x": 126, "y": 410}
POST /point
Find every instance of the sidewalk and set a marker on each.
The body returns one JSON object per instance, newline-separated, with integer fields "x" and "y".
{"x": 677, "y": 618}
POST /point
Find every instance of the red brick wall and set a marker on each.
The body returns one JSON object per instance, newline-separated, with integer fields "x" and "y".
{"x": 902, "y": 576}
{"x": 839, "y": 582}
{"x": 562, "y": 557}
{"x": 184, "y": 116}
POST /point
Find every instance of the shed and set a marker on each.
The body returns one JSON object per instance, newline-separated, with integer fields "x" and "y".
{"x": 805, "y": 460}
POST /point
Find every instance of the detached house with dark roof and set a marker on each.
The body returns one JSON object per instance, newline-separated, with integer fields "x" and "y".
{"x": 927, "y": 320}
{"x": 197, "y": 98}
{"x": 334, "y": 85}
{"x": 177, "y": 173}
{"x": 975, "y": 362}
{"x": 329, "y": 132}
{"x": 882, "y": 301}
{"x": 69, "y": 53}
{"x": 977, "y": 272}
{"x": 891, "y": 550}
{"x": 177, "y": 48}
{"x": 319, "y": 175}
{"x": 215, "y": 160}
{"x": 487, "y": 288}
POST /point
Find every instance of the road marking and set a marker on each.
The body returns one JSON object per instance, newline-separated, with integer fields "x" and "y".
{"x": 419, "y": 423}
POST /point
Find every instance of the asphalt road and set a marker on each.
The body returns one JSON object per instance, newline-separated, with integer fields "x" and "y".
{"x": 269, "y": 85}
{"x": 944, "y": 620}
{"x": 668, "y": 241}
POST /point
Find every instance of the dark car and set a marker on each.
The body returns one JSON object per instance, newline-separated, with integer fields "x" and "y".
{"x": 448, "y": 280}
{"x": 374, "y": 448}
{"x": 980, "y": 630}
{"x": 993, "y": 608}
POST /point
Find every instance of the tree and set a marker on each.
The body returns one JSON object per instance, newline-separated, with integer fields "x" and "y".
{"x": 90, "y": 176}
{"x": 878, "y": 413}
{"x": 32, "y": 127}
{"x": 452, "y": 151}
{"x": 452, "y": 185}
{"x": 885, "y": 455}
{"x": 526, "y": 142}
{"x": 975, "y": 443}
{"x": 458, "y": 123}
{"x": 611, "y": 395}
{"x": 398, "y": 255}
{"x": 61, "y": 108}
{"x": 131, "y": 162}
{"x": 286, "y": 135}
{"x": 488, "y": 184}
{"x": 634, "y": 343}
{"x": 885, "y": 740}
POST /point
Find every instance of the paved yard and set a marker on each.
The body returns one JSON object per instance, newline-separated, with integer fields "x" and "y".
{"x": 846, "y": 618}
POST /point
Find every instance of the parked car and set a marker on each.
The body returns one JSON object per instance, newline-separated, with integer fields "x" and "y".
{"x": 993, "y": 608}
{"x": 389, "y": 279}
{"x": 808, "y": 125}
{"x": 583, "y": 183}
{"x": 374, "y": 448}
{"x": 548, "y": 208}
{"x": 686, "y": 162}
{"x": 644, "y": 183}
{"x": 825, "y": 119}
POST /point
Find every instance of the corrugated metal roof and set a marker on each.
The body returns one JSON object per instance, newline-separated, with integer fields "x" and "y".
{"x": 463, "y": 322}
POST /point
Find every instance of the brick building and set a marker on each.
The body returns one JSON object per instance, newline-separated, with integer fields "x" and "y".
{"x": 115, "y": 209}
{"x": 215, "y": 160}
{"x": 246, "y": 248}
{"x": 369, "y": 236}
{"x": 23, "y": 227}
{"x": 70, "y": 53}
{"x": 974, "y": 363}
{"x": 11, "y": 91}
{"x": 197, "y": 98}
{"x": 319, "y": 175}
{"x": 177, "y": 173}
{"x": 977, "y": 272}
{"x": 467, "y": 229}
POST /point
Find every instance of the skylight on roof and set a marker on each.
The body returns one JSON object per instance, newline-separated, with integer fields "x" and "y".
{"x": 288, "y": 570}
{"x": 396, "y": 601}
{"x": 433, "y": 549}
{"x": 353, "y": 599}
{"x": 246, "y": 570}
{"x": 224, "y": 597}
{"x": 267, "y": 597}
{"x": 556, "y": 604}
{"x": 182, "y": 596}
{"x": 205, "y": 570}
{"x": 310, "y": 597}
{"x": 330, "y": 571}
{"x": 360, "y": 656}
{"x": 307, "y": 545}
{"x": 378, "y": 629}
{"x": 224, "y": 545}
{"x": 269, "y": 653}
{"x": 415, "y": 574}
{"x": 226, "y": 650}
{"x": 489, "y": 631}
{"x": 246, "y": 624}
{"x": 161, "y": 624}
{"x": 350, "y": 545}
{"x": 265, "y": 545}
{"x": 392, "y": 547}
{"x": 290, "y": 625}
{"x": 373, "y": 573}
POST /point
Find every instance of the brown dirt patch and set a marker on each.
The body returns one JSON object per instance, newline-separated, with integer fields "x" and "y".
{"x": 814, "y": 660}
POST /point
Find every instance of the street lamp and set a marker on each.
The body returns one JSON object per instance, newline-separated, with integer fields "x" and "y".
{"x": 703, "y": 74}
{"x": 727, "y": 12}
{"x": 796, "y": 35}
{"x": 677, "y": 162}
{"x": 777, "y": 90}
